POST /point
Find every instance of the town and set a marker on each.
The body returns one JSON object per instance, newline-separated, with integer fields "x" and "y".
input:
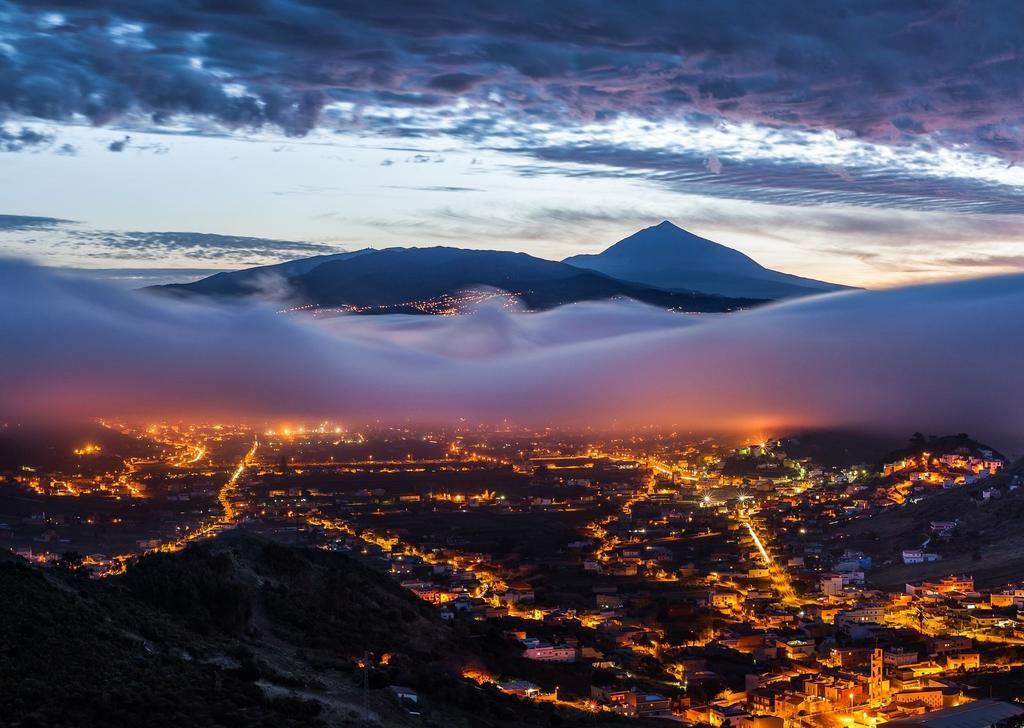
{"x": 649, "y": 575}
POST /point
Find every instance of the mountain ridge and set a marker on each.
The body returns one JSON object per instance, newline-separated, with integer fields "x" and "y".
{"x": 667, "y": 256}
{"x": 400, "y": 279}
{"x": 662, "y": 265}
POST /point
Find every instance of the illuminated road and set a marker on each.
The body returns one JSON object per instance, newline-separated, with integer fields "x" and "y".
{"x": 227, "y": 518}
{"x": 780, "y": 578}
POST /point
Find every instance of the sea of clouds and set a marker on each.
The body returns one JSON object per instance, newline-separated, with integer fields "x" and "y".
{"x": 934, "y": 358}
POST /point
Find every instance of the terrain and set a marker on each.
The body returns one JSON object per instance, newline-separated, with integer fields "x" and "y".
{"x": 986, "y": 542}
{"x": 666, "y": 256}
{"x": 410, "y": 280}
{"x": 241, "y": 631}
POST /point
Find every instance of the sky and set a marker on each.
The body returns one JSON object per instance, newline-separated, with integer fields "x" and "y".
{"x": 872, "y": 143}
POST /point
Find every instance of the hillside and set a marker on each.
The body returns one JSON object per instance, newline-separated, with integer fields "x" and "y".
{"x": 394, "y": 278}
{"x": 252, "y": 281}
{"x": 666, "y": 256}
{"x": 919, "y": 444}
{"x": 240, "y": 632}
{"x": 987, "y": 541}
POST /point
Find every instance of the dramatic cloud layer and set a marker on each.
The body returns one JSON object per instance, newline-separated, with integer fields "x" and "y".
{"x": 904, "y": 181}
{"x": 932, "y": 358}
{"x": 411, "y": 110}
{"x": 944, "y": 71}
{"x": 25, "y": 234}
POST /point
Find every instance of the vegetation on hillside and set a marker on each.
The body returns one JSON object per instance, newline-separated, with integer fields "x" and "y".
{"x": 241, "y": 632}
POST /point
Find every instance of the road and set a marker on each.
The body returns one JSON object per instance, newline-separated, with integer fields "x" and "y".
{"x": 227, "y": 518}
{"x": 780, "y": 578}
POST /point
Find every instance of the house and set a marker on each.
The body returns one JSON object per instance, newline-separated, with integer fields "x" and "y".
{"x": 831, "y": 585}
{"x": 963, "y": 661}
{"x": 522, "y": 688}
{"x": 609, "y": 601}
{"x": 861, "y": 614}
{"x": 852, "y": 577}
{"x": 761, "y": 701}
{"x": 898, "y": 657}
{"x": 918, "y": 556}
{"x": 519, "y": 591}
{"x": 611, "y": 695}
{"x": 1010, "y": 598}
{"x": 544, "y": 652}
{"x": 797, "y": 649}
{"x": 649, "y": 705}
{"x": 931, "y": 696}
{"x": 962, "y": 584}
{"x": 948, "y": 645}
{"x": 719, "y": 714}
{"x": 726, "y": 600}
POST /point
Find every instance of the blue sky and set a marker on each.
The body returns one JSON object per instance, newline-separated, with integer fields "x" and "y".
{"x": 869, "y": 143}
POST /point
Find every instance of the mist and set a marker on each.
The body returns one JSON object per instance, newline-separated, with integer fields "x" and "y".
{"x": 934, "y": 358}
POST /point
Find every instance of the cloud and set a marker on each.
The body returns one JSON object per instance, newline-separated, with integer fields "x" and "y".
{"x": 23, "y": 139}
{"x": 943, "y": 73}
{"x": 433, "y": 188}
{"x": 825, "y": 361}
{"x": 46, "y": 237}
{"x": 777, "y": 179}
{"x": 195, "y": 246}
{"x": 29, "y": 222}
{"x": 140, "y": 277}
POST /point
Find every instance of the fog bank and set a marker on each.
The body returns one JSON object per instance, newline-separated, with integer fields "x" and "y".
{"x": 936, "y": 358}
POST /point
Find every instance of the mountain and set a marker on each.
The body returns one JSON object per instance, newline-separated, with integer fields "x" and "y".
{"x": 666, "y": 256}
{"x": 242, "y": 631}
{"x": 254, "y": 280}
{"x": 404, "y": 279}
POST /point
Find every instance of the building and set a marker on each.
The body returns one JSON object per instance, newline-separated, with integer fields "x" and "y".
{"x": 649, "y": 705}
{"x": 963, "y": 661}
{"x": 978, "y": 714}
{"x": 863, "y": 614}
{"x": 946, "y": 645}
{"x": 917, "y": 556}
{"x": 543, "y": 652}
{"x": 522, "y": 688}
{"x": 899, "y": 657}
{"x": 831, "y": 585}
{"x": 878, "y": 687}
{"x": 519, "y": 591}
{"x": 948, "y": 585}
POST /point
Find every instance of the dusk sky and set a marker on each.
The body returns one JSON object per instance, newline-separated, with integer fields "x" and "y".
{"x": 866, "y": 143}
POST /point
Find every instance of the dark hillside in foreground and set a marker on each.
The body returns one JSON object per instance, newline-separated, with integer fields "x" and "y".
{"x": 239, "y": 632}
